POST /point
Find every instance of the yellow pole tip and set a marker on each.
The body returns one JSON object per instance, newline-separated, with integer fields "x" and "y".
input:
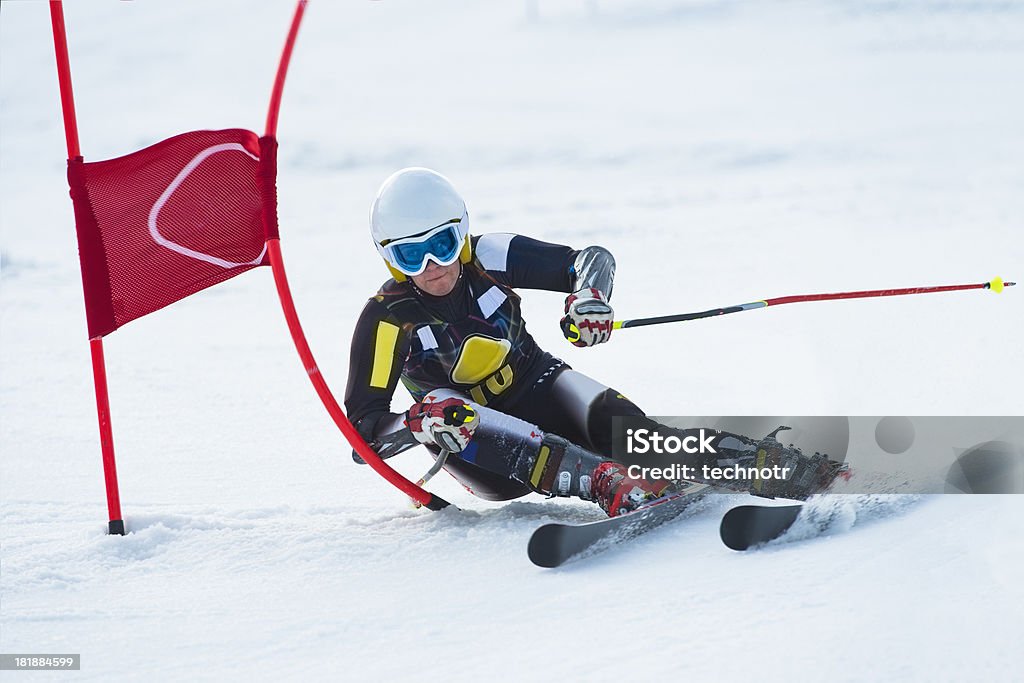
{"x": 996, "y": 285}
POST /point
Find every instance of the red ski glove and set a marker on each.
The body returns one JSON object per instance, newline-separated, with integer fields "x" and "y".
{"x": 448, "y": 424}
{"x": 588, "y": 318}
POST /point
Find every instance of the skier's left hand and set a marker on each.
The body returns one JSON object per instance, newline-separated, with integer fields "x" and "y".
{"x": 448, "y": 424}
{"x": 588, "y": 318}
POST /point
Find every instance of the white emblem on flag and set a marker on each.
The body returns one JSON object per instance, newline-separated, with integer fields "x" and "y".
{"x": 154, "y": 231}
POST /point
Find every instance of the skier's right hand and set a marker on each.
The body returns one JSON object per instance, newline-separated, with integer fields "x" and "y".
{"x": 447, "y": 424}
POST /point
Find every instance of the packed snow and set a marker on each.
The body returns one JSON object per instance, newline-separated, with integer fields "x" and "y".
{"x": 724, "y": 151}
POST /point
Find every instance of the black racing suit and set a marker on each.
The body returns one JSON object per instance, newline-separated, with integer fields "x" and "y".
{"x": 474, "y": 341}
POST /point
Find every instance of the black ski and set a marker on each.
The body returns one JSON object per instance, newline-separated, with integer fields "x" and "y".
{"x": 750, "y": 525}
{"x": 553, "y": 544}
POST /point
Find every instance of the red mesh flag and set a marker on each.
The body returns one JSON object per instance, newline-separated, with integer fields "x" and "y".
{"x": 170, "y": 220}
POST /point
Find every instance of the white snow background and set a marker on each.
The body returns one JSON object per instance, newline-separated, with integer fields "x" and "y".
{"x": 723, "y": 151}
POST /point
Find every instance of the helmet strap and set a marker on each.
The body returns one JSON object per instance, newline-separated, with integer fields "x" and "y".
{"x": 395, "y": 273}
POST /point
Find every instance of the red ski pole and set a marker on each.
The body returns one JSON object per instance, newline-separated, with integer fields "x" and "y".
{"x": 996, "y": 285}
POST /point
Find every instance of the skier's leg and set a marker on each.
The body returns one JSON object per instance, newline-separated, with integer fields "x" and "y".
{"x": 509, "y": 457}
{"x": 554, "y": 466}
{"x": 576, "y": 407}
{"x": 591, "y": 406}
{"x": 580, "y": 405}
{"x": 545, "y": 463}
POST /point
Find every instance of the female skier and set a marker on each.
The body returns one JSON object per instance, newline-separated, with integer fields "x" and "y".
{"x": 508, "y": 417}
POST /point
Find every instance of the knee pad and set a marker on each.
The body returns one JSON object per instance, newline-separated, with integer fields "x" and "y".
{"x": 603, "y": 408}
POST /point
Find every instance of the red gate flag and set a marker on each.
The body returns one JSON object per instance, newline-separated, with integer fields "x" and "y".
{"x": 173, "y": 219}
{"x": 170, "y": 220}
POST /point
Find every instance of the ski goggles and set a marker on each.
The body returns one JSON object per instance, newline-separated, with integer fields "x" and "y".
{"x": 440, "y": 245}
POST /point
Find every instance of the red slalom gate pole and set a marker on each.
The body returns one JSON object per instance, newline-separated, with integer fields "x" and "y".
{"x": 282, "y": 70}
{"x": 420, "y": 495}
{"x": 99, "y": 372}
{"x": 99, "y": 377}
{"x": 268, "y": 156}
{"x": 67, "y": 96}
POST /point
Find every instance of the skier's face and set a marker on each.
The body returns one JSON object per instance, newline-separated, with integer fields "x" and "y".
{"x": 438, "y": 280}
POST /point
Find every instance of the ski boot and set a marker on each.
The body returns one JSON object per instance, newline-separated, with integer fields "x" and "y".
{"x": 808, "y": 474}
{"x": 617, "y": 493}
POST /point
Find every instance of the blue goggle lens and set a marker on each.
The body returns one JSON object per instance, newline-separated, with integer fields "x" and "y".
{"x": 410, "y": 257}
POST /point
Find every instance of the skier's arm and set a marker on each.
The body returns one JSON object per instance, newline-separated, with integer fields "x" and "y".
{"x": 379, "y": 349}
{"x": 523, "y": 262}
{"x": 593, "y": 268}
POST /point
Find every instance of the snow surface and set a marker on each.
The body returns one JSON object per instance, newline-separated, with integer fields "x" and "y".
{"x": 724, "y": 151}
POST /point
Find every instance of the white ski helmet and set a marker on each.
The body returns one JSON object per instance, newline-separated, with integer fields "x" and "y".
{"x": 418, "y": 216}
